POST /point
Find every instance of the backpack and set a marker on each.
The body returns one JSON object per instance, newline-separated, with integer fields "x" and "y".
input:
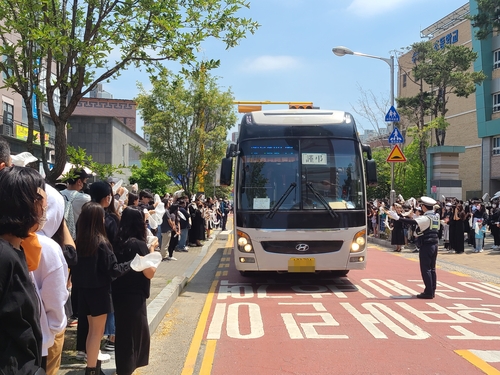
{"x": 69, "y": 214}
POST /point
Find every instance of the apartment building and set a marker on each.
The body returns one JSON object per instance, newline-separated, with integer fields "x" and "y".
{"x": 473, "y": 126}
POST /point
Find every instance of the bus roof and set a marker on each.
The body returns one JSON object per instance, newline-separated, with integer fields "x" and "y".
{"x": 300, "y": 117}
{"x": 297, "y": 123}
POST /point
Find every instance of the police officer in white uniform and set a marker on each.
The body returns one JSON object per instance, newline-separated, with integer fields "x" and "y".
{"x": 427, "y": 227}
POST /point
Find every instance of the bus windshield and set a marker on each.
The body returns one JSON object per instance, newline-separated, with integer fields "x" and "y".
{"x": 300, "y": 174}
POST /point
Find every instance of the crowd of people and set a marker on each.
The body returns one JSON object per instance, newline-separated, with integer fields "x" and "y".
{"x": 67, "y": 258}
{"x": 461, "y": 223}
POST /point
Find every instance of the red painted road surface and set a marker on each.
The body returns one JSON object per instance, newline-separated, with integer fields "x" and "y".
{"x": 367, "y": 323}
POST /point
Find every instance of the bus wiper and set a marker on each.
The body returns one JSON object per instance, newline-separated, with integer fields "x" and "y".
{"x": 319, "y": 197}
{"x": 278, "y": 204}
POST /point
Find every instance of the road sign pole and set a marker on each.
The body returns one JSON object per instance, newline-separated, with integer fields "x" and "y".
{"x": 393, "y": 192}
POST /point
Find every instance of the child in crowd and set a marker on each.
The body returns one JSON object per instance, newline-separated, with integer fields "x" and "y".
{"x": 480, "y": 231}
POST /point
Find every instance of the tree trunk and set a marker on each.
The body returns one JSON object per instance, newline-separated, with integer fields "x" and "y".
{"x": 60, "y": 144}
{"x": 30, "y": 147}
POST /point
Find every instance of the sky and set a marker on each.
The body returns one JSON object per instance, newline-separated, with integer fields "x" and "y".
{"x": 290, "y": 58}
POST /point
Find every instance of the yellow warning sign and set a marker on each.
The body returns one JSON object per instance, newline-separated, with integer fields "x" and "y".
{"x": 396, "y": 155}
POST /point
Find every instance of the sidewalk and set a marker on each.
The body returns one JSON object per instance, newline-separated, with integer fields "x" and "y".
{"x": 168, "y": 282}
{"x": 486, "y": 262}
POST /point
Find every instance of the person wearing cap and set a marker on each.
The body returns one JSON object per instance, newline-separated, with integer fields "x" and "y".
{"x": 427, "y": 227}
{"x": 75, "y": 184}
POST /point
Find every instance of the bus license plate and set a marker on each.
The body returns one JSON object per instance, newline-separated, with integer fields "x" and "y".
{"x": 302, "y": 265}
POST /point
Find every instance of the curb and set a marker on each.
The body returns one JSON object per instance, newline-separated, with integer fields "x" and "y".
{"x": 158, "y": 307}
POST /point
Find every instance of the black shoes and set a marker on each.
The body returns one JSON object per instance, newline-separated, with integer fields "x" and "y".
{"x": 424, "y": 296}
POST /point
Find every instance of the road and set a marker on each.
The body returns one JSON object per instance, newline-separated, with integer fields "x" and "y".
{"x": 367, "y": 323}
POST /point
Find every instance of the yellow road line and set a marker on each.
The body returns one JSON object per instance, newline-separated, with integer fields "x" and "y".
{"x": 478, "y": 362}
{"x": 190, "y": 362}
{"x": 208, "y": 358}
{"x": 459, "y": 273}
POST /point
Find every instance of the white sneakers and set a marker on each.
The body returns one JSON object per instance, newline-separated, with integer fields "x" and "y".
{"x": 170, "y": 258}
{"x": 82, "y": 356}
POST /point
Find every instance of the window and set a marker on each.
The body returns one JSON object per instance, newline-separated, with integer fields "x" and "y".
{"x": 496, "y": 146}
{"x": 496, "y": 102}
{"x": 8, "y": 114}
{"x": 496, "y": 59}
{"x": 307, "y": 174}
{"x": 404, "y": 80}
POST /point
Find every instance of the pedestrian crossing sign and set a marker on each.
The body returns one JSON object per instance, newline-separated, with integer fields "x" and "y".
{"x": 396, "y": 137}
{"x": 392, "y": 115}
{"x": 396, "y": 155}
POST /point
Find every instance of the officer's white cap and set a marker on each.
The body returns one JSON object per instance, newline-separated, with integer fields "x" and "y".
{"x": 428, "y": 201}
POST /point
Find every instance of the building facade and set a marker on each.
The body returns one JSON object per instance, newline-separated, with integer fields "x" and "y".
{"x": 488, "y": 107}
{"x": 14, "y": 125}
{"x": 105, "y": 128}
{"x": 463, "y": 131}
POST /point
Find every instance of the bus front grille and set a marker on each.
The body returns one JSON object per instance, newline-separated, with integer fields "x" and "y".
{"x": 301, "y": 247}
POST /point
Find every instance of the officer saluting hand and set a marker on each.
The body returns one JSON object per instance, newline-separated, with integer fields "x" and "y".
{"x": 427, "y": 227}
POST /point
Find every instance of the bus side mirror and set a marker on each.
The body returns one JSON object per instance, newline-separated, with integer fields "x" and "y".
{"x": 226, "y": 172}
{"x": 368, "y": 150}
{"x": 232, "y": 150}
{"x": 371, "y": 172}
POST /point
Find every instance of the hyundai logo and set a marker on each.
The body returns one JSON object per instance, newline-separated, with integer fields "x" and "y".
{"x": 302, "y": 247}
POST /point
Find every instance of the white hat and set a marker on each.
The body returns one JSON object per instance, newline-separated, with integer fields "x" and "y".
{"x": 448, "y": 204}
{"x": 428, "y": 201}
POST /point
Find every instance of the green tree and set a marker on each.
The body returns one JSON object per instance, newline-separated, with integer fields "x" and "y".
{"x": 61, "y": 50}
{"x": 152, "y": 175}
{"x": 216, "y": 191}
{"x": 79, "y": 158}
{"x": 411, "y": 175}
{"x": 447, "y": 71}
{"x": 487, "y": 18}
{"x": 437, "y": 74}
{"x": 383, "y": 187}
{"x": 187, "y": 120}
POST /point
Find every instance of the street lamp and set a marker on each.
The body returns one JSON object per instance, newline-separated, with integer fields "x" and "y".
{"x": 342, "y": 51}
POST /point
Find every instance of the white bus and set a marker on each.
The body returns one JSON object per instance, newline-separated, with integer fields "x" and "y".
{"x": 299, "y": 192}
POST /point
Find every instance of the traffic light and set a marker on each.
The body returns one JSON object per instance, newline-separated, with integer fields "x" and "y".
{"x": 300, "y": 106}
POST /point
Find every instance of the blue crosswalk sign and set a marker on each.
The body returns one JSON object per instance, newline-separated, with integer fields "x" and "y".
{"x": 392, "y": 115}
{"x": 396, "y": 137}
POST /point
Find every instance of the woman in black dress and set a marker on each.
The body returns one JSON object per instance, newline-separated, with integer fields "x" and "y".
{"x": 92, "y": 275}
{"x": 457, "y": 223}
{"x": 398, "y": 233}
{"x": 130, "y": 293}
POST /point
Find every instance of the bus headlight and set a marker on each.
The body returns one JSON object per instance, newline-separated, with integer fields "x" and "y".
{"x": 359, "y": 241}
{"x": 244, "y": 243}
